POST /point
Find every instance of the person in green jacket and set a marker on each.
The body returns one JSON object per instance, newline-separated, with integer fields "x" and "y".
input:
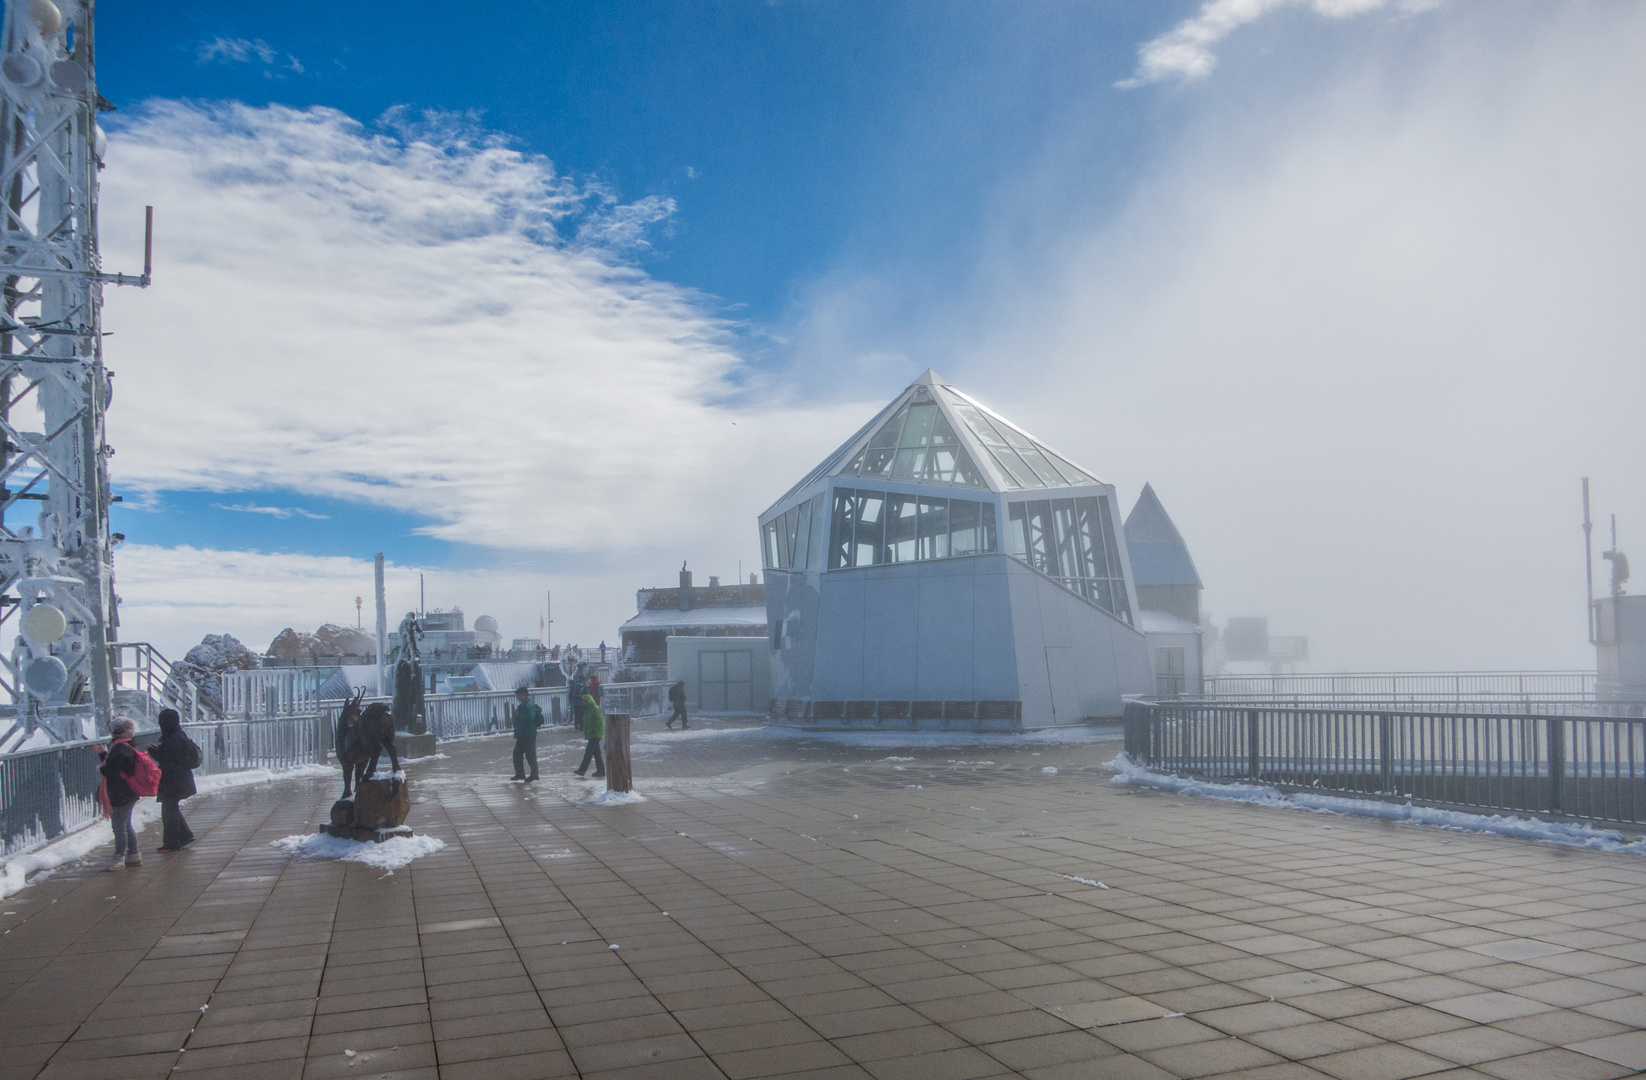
{"x": 528, "y": 717}
{"x": 594, "y": 729}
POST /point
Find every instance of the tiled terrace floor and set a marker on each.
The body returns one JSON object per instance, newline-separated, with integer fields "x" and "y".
{"x": 791, "y": 908}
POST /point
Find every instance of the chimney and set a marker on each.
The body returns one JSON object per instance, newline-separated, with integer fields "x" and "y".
{"x": 754, "y": 579}
{"x": 685, "y": 588}
{"x": 714, "y": 581}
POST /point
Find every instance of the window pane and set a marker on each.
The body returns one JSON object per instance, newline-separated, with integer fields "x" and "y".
{"x": 909, "y": 464}
{"x": 985, "y": 529}
{"x": 1068, "y": 551}
{"x": 1094, "y": 563}
{"x": 934, "y": 528}
{"x": 1017, "y": 535}
{"x": 853, "y": 465}
{"x": 963, "y": 538}
{"x": 869, "y": 548}
{"x": 768, "y": 534}
{"x": 918, "y": 430}
{"x": 1042, "y": 549}
{"x": 965, "y": 472}
{"x": 886, "y": 437}
{"x": 841, "y": 550}
{"x": 901, "y": 531}
{"x": 803, "y": 537}
{"x": 877, "y": 462}
{"x": 942, "y": 433}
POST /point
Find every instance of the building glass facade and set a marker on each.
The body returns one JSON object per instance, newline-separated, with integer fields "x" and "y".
{"x": 1073, "y": 541}
{"x": 872, "y": 528}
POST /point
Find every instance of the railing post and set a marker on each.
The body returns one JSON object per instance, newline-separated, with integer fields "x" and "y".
{"x": 1386, "y": 753}
{"x": 1253, "y": 758}
{"x": 1556, "y": 740}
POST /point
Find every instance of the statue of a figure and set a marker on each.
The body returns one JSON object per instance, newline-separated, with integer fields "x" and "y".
{"x": 410, "y": 632}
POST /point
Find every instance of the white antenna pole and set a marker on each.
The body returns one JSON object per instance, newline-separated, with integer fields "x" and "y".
{"x": 382, "y": 627}
{"x": 1588, "y": 562}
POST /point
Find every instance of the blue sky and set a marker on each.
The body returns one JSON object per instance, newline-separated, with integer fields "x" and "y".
{"x": 553, "y": 296}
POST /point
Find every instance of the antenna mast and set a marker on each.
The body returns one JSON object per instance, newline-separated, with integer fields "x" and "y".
{"x": 56, "y": 576}
{"x": 1588, "y": 561}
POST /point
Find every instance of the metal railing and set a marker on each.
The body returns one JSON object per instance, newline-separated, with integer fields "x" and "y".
{"x": 50, "y": 792}
{"x": 480, "y": 713}
{"x": 139, "y": 666}
{"x": 636, "y": 698}
{"x": 1407, "y": 685}
{"x": 1577, "y": 766}
{"x": 270, "y": 692}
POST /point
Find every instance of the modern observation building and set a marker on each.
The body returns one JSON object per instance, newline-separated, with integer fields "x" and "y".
{"x": 945, "y": 569}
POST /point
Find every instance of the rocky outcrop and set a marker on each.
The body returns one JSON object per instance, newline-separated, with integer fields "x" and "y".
{"x": 216, "y": 654}
{"x": 331, "y": 644}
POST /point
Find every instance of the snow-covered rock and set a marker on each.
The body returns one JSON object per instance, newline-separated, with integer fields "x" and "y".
{"x": 216, "y": 654}
{"x": 331, "y": 644}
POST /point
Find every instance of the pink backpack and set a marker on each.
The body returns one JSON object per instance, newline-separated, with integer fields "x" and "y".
{"x": 145, "y": 778}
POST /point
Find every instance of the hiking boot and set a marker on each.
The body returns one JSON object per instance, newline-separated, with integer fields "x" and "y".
{"x": 166, "y": 850}
{"x": 119, "y": 861}
{"x": 133, "y": 861}
{"x": 598, "y": 776}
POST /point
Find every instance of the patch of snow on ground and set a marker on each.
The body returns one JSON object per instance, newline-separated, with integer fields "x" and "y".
{"x": 15, "y": 871}
{"x": 1570, "y": 834}
{"x": 1049, "y": 769}
{"x": 1083, "y": 881}
{"x": 614, "y": 798}
{"x": 668, "y": 735}
{"x": 390, "y": 855}
{"x": 889, "y": 740}
{"x": 897, "y": 759}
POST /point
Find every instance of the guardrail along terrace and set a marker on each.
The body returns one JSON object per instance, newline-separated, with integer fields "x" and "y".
{"x": 1589, "y": 767}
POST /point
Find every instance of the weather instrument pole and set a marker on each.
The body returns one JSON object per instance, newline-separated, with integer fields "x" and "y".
{"x": 56, "y": 560}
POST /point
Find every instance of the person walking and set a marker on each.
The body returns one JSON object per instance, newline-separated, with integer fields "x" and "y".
{"x": 528, "y": 717}
{"x": 595, "y": 689}
{"x": 119, "y": 763}
{"x": 594, "y": 729}
{"x": 177, "y": 757}
{"x": 677, "y": 698}
{"x": 574, "y": 695}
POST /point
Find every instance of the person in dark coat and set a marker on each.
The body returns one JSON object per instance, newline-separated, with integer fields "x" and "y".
{"x": 176, "y": 755}
{"x": 528, "y": 717}
{"x": 574, "y": 695}
{"x": 677, "y": 698}
{"x": 119, "y": 762}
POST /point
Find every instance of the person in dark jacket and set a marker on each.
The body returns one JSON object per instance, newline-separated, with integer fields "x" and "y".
{"x": 119, "y": 762}
{"x": 594, "y": 729}
{"x": 528, "y": 717}
{"x": 594, "y": 689}
{"x": 677, "y": 698}
{"x": 176, "y": 755}
{"x": 574, "y": 695}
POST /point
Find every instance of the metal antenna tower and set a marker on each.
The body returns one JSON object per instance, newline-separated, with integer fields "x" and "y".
{"x": 57, "y": 606}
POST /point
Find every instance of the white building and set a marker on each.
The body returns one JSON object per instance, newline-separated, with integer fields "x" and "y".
{"x": 943, "y": 568}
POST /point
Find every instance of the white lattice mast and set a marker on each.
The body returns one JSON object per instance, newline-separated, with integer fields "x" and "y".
{"x": 57, "y": 614}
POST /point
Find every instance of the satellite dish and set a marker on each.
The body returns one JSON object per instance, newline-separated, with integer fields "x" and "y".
{"x": 20, "y": 70}
{"x": 44, "y": 624}
{"x": 68, "y": 77}
{"x": 45, "y": 676}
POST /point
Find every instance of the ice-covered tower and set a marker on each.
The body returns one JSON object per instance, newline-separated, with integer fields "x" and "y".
{"x": 945, "y": 568}
{"x": 56, "y": 606}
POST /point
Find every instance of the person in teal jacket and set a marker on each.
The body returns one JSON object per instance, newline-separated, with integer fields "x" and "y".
{"x": 528, "y": 717}
{"x": 594, "y": 729}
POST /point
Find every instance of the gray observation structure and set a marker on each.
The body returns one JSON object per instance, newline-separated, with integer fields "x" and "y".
{"x": 945, "y": 569}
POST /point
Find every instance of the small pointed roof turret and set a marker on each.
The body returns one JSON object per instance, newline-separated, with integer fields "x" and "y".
{"x": 1159, "y": 555}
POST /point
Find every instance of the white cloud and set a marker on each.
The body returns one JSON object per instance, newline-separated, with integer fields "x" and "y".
{"x": 281, "y": 512}
{"x": 395, "y": 318}
{"x": 227, "y": 50}
{"x": 1186, "y": 51}
{"x": 1365, "y": 343}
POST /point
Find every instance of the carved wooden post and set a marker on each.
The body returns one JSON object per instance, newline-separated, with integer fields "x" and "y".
{"x": 619, "y": 774}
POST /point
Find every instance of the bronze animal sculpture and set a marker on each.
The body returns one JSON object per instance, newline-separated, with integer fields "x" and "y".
{"x": 362, "y": 736}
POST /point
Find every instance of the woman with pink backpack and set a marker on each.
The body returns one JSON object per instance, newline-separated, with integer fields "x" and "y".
{"x": 128, "y": 774}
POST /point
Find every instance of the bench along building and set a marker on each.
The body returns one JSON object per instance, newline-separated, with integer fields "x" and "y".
{"x": 943, "y": 568}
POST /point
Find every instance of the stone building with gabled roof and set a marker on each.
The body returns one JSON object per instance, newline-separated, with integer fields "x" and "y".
{"x": 944, "y": 568}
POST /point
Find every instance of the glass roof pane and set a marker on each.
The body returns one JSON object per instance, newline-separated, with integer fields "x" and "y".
{"x": 888, "y": 433}
{"x": 877, "y": 461}
{"x": 942, "y": 433}
{"x": 918, "y": 430}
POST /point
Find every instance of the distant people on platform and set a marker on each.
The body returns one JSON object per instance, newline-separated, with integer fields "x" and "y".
{"x": 677, "y": 698}
{"x": 602, "y": 650}
{"x": 178, "y": 757}
{"x": 116, "y": 793}
{"x": 595, "y": 689}
{"x": 528, "y": 717}
{"x": 575, "y": 690}
{"x": 594, "y": 729}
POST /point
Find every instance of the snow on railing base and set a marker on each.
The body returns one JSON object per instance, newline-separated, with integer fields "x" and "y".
{"x": 1570, "y": 834}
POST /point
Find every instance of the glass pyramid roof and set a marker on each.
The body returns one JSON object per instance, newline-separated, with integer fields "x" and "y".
{"x": 932, "y": 433}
